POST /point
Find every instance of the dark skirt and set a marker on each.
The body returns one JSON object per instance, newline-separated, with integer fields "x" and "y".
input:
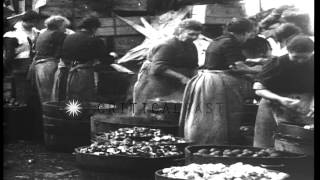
{"x": 80, "y": 84}
{"x": 212, "y": 108}
{"x": 265, "y": 125}
{"x": 60, "y": 84}
{"x": 44, "y": 71}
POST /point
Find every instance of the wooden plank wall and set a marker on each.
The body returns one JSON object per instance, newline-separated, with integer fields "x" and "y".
{"x": 131, "y": 5}
{"x": 124, "y": 43}
{"x": 114, "y": 31}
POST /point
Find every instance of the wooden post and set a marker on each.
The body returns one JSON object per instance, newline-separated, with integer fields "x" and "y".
{"x": 22, "y": 6}
{"x": 73, "y": 14}
{"x": 260, "y": 6}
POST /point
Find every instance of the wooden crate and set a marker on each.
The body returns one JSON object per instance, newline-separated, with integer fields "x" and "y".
{"x": 217, "y": 13}
{"x": 121, "y": 30}
{"x": 122, "y": 44}
{"x": 115, "y": 26}
{"x": 131, "y": 5}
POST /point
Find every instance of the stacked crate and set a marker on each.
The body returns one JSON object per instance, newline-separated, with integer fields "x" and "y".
{"x": 215, "y": 16}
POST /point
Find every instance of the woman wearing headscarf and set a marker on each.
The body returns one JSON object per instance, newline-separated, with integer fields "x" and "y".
{"x": 212, "y": 102}
{"x": 48, "y": 53}
{"x": 168, "y": 68}
{"x": 75, "y": 79}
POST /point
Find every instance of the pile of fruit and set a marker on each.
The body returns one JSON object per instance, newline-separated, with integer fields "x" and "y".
{"x": 247, "y": 130}
{"x": 12, "y": 102}
{"x": 167, "y": 139}
{"x": 237, "y": 152}
{"x": 137, "y": 133}
{"x": 309, "y": 127}
{"x": 220, "y": 171}
{"x": 140, "y": 134}
{"x": 141, "y": 149}
{"x": 136, "y": 141}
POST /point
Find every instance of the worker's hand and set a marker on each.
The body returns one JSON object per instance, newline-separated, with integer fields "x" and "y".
{"x": 289, "y": 102}
{"x": 256, "y": 61}
{"x": 114, "y": 55}
{"x": 184, "y": 80}
{"x": 239, "y": 66}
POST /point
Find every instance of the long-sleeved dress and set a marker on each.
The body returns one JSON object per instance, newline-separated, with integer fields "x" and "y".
{"x": 76, "y": 79}
{"x": 212, "y": 102}
{"x": 44, "y": 66}
{"x": 289, "y": 79}
{"x": 172, "y": 54}
{"x": 18, "y": 54}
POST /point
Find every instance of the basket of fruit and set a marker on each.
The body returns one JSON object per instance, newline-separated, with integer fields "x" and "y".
{"x": 12, "y": 103}
{"x": 219, "y": 171}
{"x": 268, "y": 158}
{"x": 115, "y": 156}
{"x": 136, "y": 149}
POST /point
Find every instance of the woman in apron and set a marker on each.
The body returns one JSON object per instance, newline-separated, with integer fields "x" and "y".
{"x": 79, "y": 52}
{"x": 48, "y": 52}
{"x": 168, "y": 68}
{"x": 286, "y": 85}
{"x": 212, "y": 102}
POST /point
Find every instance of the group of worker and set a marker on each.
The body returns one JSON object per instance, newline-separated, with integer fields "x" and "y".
{"x": 239, "y": 65}
{"x": 57, "y": 61}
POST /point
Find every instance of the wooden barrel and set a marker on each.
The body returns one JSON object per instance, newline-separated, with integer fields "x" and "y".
{"x": 64, "y": 132}
{"x": 86, "y": 174}
{"x": 287, "y": 143}
{"x": 16, "y": 124}
{"x": 105, "y": 122}
{"x": 294, "y": 138}
{"x": 164, "y": 110}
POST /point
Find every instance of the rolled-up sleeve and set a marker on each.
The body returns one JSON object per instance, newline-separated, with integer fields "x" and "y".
{"x": 268, "y": 74}
{"x": 160, "y": 58}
